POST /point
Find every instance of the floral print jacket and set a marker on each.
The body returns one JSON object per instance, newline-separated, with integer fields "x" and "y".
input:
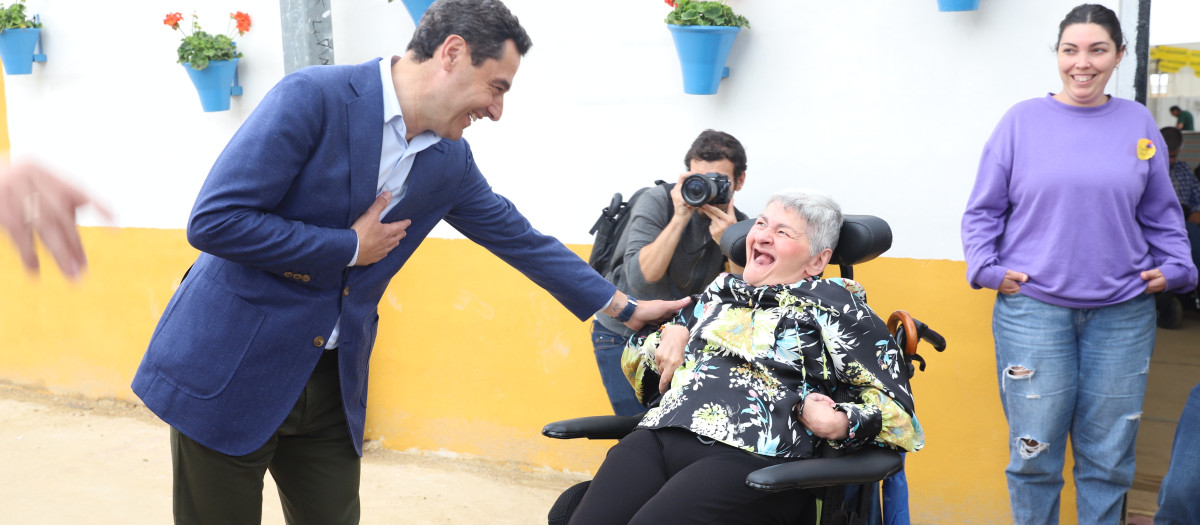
{"x": 754, "y": 353}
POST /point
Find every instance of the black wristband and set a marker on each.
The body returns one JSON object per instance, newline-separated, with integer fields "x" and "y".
{"x": 627, "y": 313}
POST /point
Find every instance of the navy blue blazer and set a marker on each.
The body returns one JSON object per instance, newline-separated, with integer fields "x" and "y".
{"x": 243, "y": 332}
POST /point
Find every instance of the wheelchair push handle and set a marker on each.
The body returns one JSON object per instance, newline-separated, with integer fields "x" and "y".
{"x": 908, "y": 332}
{"x": 609, "y": 213}
{"x": 903, "y": 326}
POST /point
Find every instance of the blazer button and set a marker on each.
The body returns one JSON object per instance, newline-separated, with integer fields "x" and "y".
{"x": 319, "y": 341}
{"x": 287, "y": 274}
{"x": 305, "y": 278}
{"x": 345, "y": 291}
{"x": 296, "y": 276}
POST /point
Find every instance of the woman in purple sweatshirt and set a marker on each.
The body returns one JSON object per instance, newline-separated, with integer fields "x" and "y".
{"x": 1074, "y": 221}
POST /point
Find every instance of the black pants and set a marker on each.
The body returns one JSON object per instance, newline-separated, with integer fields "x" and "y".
{"x": 670, "y": 476}
{"x": 311, "y": 459}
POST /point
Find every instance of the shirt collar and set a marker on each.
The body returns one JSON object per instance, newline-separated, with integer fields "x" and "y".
{"x": 391, "y": 103}
{"x": 392, "y": 114}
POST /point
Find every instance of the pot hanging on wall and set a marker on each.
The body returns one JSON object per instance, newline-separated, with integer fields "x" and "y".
{"x": 18, "y": 50}
{"x": 215, "y": 83}
{"x": 416, "y": 8}
{"x": 702, "y": 52}
{"x": 958, "y": 5}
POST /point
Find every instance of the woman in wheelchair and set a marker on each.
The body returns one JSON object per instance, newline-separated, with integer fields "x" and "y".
{"x": 772, "y": 366}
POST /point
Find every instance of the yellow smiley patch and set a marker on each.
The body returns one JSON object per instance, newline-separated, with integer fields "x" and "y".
{"x": 1145, "y": 149}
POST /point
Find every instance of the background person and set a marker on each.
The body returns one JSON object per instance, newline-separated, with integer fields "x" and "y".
{"x": 670, "y": 250}
{"x": 1183, "y": 119}
{"x": 1073, "y": 220}
{"x": 1177, "y": 501}
{"x": 35, "y": 202}
{"x": 1187, "y": 188}
{"x": 260, "y": 360}
{"x": 771, "y": 366}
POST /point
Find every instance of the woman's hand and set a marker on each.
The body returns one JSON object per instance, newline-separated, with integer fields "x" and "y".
{"x": 817, "y": 414}
{"x": 1155, "y": 282}
{"x": 1012, "y": 282}
{"x": 669, "y": 355}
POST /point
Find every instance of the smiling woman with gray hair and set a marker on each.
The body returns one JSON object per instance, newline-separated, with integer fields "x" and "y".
{"x": 771, "y": 366}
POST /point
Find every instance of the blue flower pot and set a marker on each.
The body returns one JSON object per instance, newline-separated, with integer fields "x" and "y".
{"x": 17, "y": 50}
{"x": 215, "y": 83}
{"x": 416, "y": 9}
{"x": 958, "y": 5}
{"x": 702, "y": 52}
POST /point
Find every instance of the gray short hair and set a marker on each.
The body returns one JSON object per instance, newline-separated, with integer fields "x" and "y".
{"x": 821, "y": 213}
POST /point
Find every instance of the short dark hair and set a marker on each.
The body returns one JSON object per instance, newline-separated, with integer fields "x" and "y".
{"x": 1093, "y": 14}
{"x": 484, "y": 24}
{"x": 1173, "y": 137}
{"x": 1174, "y": 109}
{"x": 714, "y": 145}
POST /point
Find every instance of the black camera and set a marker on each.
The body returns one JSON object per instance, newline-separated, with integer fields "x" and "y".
{"x": 710, "y": 188}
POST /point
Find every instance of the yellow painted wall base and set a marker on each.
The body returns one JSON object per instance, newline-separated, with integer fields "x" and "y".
{"x": 88, "y": 337}
{"x": 472, "y": 358}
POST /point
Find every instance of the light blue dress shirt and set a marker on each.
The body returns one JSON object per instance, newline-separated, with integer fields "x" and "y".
{"x": 395, "y": 158}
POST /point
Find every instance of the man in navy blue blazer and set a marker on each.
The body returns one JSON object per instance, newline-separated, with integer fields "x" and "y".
{"x": 260, "y": 359}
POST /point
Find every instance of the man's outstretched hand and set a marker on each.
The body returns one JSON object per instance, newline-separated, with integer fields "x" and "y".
{"x": 653, "y": 311}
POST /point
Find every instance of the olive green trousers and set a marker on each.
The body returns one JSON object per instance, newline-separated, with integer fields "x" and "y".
{"x": 310, "y": 456}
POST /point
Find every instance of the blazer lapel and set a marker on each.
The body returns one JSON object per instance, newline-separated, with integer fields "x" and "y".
{"x": 364, "y": 120}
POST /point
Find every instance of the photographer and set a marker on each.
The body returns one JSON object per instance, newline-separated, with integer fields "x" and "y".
{"x": 670, "y": 248}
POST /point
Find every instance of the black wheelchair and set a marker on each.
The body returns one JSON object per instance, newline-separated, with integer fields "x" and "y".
{"x": 1170, "y": 307}
{"x": 850, "y": 483}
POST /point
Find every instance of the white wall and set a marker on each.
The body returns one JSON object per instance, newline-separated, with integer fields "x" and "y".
{"x": 1174, "y": 21}
{"x": 111, "y": 108}
{"x": 884, "y": 104}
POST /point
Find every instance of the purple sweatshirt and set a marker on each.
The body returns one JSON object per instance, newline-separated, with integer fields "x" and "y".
{"x": 1063, "y": 197}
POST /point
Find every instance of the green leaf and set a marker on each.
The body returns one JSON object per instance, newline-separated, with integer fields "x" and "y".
{"x": 200, "y": 47}
{"x": 13, "y": 17}
{"x": 714, "y": 10}
{"x": 705, "y": 13}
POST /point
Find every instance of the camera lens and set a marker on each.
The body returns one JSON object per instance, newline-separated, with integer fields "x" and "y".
{"x": 697, "y": 190}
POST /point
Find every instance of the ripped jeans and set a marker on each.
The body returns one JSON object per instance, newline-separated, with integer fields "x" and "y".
{"x": 1079, "y": 372}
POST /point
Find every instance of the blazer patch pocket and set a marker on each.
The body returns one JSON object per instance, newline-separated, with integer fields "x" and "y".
{"x": 201, "y": 344}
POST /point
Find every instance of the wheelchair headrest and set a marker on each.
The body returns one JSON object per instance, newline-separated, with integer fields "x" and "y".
{"x": 863, "y": 237}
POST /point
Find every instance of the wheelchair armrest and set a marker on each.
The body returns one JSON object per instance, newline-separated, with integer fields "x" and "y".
{"x": 593, "y": 427}
{"x": 867, "y": 465}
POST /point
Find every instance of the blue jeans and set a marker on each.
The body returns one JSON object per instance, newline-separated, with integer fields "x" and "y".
{"x": 609, "y": 346}
{"x": 1177, "y": 497}
{"x": 1079, "y": 372}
